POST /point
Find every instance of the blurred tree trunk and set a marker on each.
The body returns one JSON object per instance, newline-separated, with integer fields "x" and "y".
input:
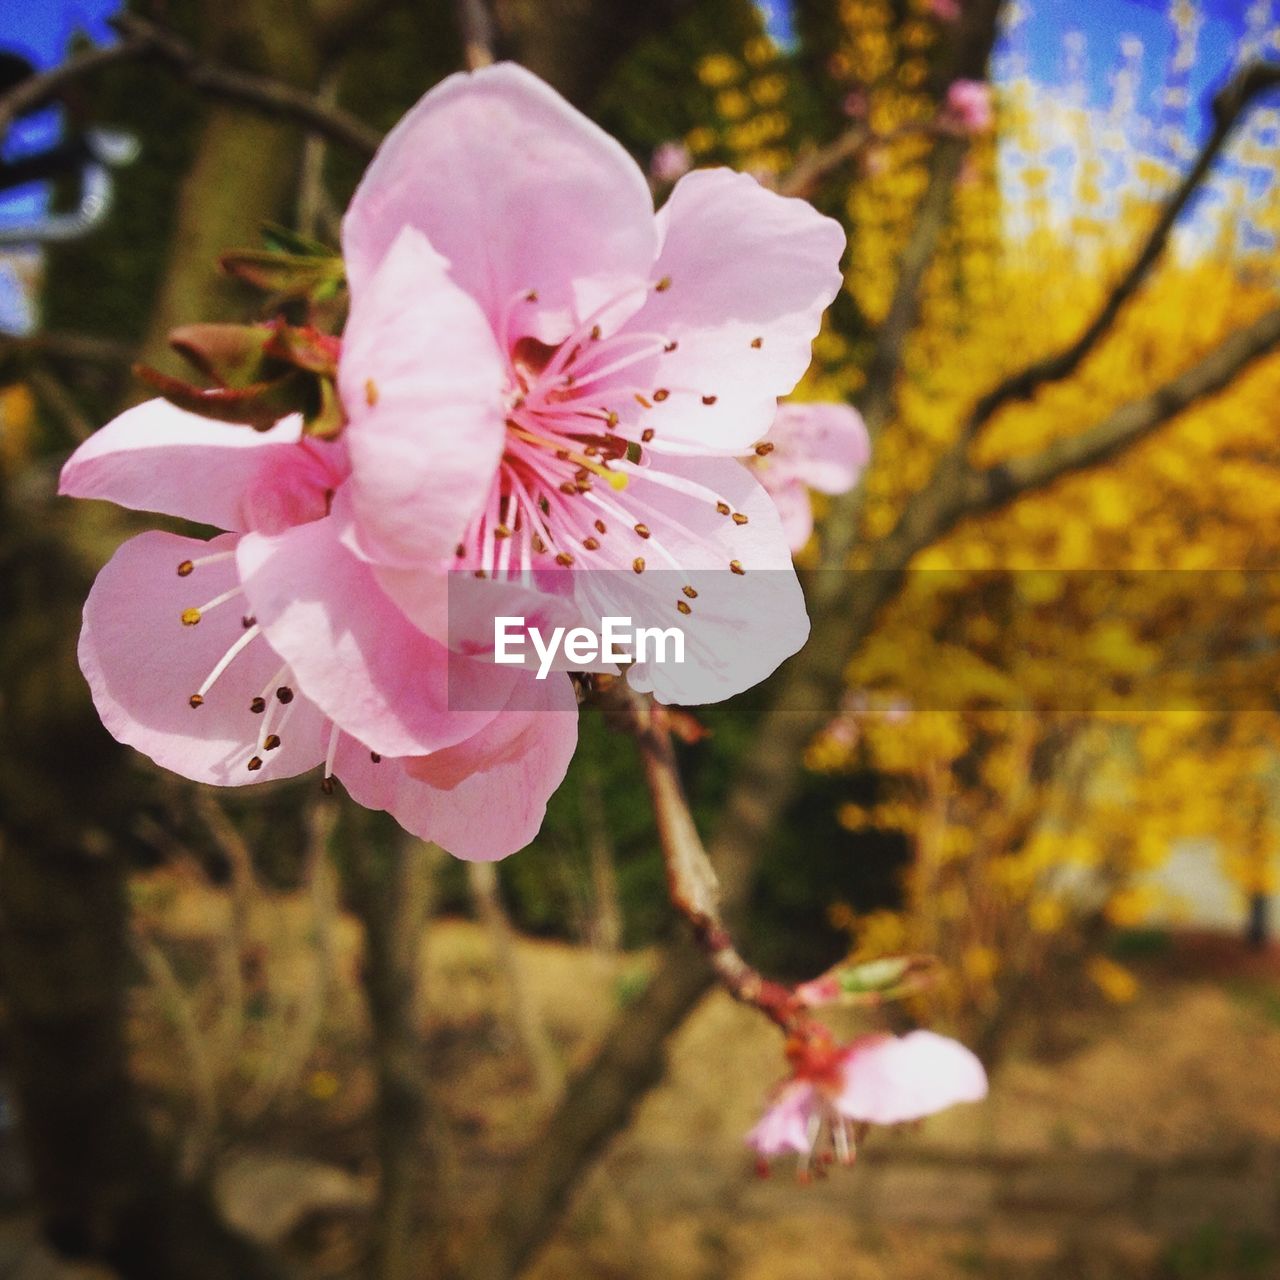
{"x": 576, "y": 44}
{"x": 390, "y": 890}
{"x": 102, "y": 1184}
{"x": 244, "y": 171}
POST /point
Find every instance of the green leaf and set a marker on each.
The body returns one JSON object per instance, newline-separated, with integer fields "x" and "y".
{"x": 281, "y": 239}
{"x": 287, "y": 275}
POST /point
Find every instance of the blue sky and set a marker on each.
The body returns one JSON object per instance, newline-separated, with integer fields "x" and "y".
{"x": 41, "y": 30}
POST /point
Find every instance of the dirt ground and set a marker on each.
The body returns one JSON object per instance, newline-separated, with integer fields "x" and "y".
{"x": 1147, "y": 1144}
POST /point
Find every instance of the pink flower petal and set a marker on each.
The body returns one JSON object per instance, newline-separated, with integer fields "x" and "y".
{"x": 739, "y": 626}
{"x": 157, "y": 457}
{"x": 143, "y": 665}
{"x": 484, "y": 798}
{"x": 794, "y": 507}
{"x": 421, "y": 381}
{"x": 354, "y": 652}
{"x": 786, "y": 1123}
{"x": 517, "y": 190}
{"x": 825, "y": 445}
{"x": 746, "y": 275}
{"x": 890, "y": 1079}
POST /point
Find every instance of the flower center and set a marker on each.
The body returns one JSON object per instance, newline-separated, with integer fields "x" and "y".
{"x": 576, "y": 433}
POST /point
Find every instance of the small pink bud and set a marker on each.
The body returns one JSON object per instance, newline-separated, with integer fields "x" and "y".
{"x": 854, "y": 104}
{"x": 670, "y": 162}
{"x": 968, "y": 108}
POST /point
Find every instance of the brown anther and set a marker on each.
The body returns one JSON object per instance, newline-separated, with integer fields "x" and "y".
{"x": 271, "y": 742}
{"x": 284, "y": 694}
{"x": 459, "y": 551}
{"x": 564, "y": 558}
{"x": 595, "y": 333}
{"x": 709, "y": 400}
{"x": 531, "y": 296}
{"x": 723, "y": 508}
{"x": 764, "y": 448}
{"x": 258, "y": 706}
{"x": 562, "y": 455}
{"x": 690, "y": 592}
{"x": 567, "y": 486}
{"x": 661, "y": 394}
{"x": 646, "y": 435}
{"x": 683, "y": 606}
{"x": 538, "y": 545}
{"x": 736, "y": 567}
{"x": 255, "y": 764}
{"x": 591, "y": 544}
{"x": 196, "y": 700}
{"x": 326, "y": 785}
{"x": 611, "y": 420}
{"x": 663, "y": 285}
{"x": 642, "y": 530}
{"x": 581, "y": 474}
{"x": 185, "y": 568}
{"x": 671, "y": 346}
{"x": 479, "y": 573}
{"x": 247, "y": 620}
{"x": 501, "y": 531}
{"x": 370, "y": 392}
{"x": 642, "y": 402}
{"x": 739, "y": 518}
{"x": 583, "y": 486}
{"x": 638, "y": 564}
{"x": 190, "y": 617}
{"x": 591, "y": 452}
{"x": 375, "y": 757}
{"x": 757, "y": 343}
{"x": 600, "y": 527}
{"x": 544, "y": 505}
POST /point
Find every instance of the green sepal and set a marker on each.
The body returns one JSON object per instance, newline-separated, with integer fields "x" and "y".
{"x": 328, "y": 419}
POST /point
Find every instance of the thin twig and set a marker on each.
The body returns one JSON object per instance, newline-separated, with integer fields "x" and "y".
{"x": 141, "y": 38}
{"x": 60, "y": 402}
{"x": 177, "y": 1005}
{"x": 476, "y": 25}
{"x": 804, "y": 178}
{"x": 1000, "y": 484}
{"x": 38, "y": 91}
{"x": 314, "y": 207}
{"x": 75, "y": 348}
{"x": 691, "y": 880}
{"x": 273, "y": 97}
{"x": 531, "y": 1031}
{"x": 606, "y": 925}
{"x": 1228, "y": 108}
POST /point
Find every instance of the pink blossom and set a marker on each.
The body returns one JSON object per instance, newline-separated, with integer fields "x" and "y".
{"x": 875, "y": 1079}
{"x": 815, "y": 446}
{"x": 180, "y": 667}
{"x": 855, "y": 104}
{"x": 541, "y": 375}
{"x": 968, "y": 108}
{"x": 670, "y": 161}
